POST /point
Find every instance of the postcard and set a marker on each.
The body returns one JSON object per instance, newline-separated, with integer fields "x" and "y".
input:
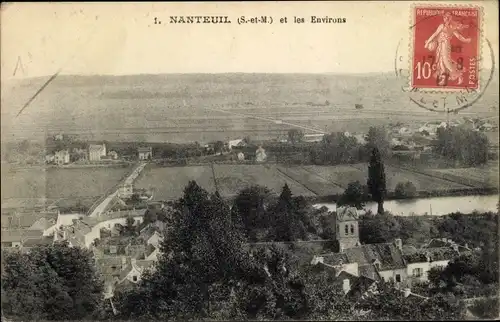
{"x": 314, "y": 160}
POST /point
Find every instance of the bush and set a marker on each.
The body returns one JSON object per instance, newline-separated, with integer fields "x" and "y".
{"x": 486, "y": 309}
{"x": 405, "y": 190}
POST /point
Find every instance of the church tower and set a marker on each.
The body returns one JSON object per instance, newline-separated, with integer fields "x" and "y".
{"x": 346, "y": 228}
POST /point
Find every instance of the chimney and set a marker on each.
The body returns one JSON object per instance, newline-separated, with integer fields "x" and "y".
{"x": 407, "y": 292}
{"x": 399, "y": 243}
{"x": 346, "y": 285}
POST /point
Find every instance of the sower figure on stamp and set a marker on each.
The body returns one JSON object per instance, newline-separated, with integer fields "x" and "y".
{"x": 445, "y": 66}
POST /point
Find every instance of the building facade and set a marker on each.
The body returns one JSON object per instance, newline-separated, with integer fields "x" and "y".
{"x": 145, "y": 153}
{"x": 96, "y": 152}
{"x": 61, "y": 157}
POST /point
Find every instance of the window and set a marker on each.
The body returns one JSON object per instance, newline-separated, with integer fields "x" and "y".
{"x": 346, "y": 230}
{"x": 352, "y": 229}
{"x": 113, "y": 268}
{"x": 417, "y": 272}
{"x": 338, "y": 230}
{"x": 398, "y": 278}
{"x": 134, "y": 278}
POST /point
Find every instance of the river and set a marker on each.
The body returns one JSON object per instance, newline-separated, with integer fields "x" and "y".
{"x": 436, "y": 206}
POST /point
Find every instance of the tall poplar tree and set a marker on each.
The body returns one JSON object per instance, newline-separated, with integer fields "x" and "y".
{"x": 376, "y": 180}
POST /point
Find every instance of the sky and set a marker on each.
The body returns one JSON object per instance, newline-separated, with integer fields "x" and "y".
{"x": 121, "y": 38}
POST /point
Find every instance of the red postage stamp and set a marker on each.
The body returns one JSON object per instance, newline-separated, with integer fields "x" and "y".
{"x": 446, "y": 47}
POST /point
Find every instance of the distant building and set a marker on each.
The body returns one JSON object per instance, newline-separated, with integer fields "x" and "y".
{"x": 313, "y": 137}
{"x": 113, "y": 155}
{"x": 49, "y": 158}
{"x": 241, "y": 156}
{"x": 145, "y": 153}
{"x": 260, "y": 155}
{"x": 125, "y": 191}
{"x": 96, "y": 151}
{"x": 61, "y": 157}
{"x": 235, "y": 143}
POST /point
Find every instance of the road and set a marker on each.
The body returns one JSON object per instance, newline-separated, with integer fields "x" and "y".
{"x": 275, "y": 121}
{"x": 102, "y": 206}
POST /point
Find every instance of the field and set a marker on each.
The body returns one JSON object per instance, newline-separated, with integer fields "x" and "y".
{"x": 481, "y": 177}
{"x": 421, "y": 181}
{"x": 168, "y": 182}
{"x": 58, "y": 185}
{"x": 205, "y": 107}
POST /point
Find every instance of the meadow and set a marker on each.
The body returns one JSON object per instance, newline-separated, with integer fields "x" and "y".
{"x": 58, "y": 186}
{"x": 168, "y": 183}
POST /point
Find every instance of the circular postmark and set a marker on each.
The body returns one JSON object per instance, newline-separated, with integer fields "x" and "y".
{"x": 440, "y": 63}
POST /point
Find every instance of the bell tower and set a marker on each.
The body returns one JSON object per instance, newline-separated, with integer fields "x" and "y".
{"x": 346, "y": 228}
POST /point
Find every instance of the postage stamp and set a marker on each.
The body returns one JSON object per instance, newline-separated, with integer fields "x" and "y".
{"x": 446, "y": 46}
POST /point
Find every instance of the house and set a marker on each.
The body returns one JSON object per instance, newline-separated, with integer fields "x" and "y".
{"x": 111, "y": 269}
{"x": 352, "y": 285}
{"x": 421, "y": 262}
{"x": 133, "y": 271}
{"x": 236, "y": 143}
{"x": 96, "y": 151}
{"x": 43, "y": 221}
{"x": 121, "y": 270}
{"x": 145, "y": 153}
{"x": 126, "y": 190}
{"x": 136, "y": 250}
{"x": 80, "y": 234}
{"x": 17, "y": 238}
{"x": 380, "y": 262}
{"x": 151, "y": 253}
{"x": 313, "y": 137}
{"x": 445, "y": 242}
{"x": 151, "y": 235}
{"x": 61, "y": 157}
{"x": 260, "y": 155}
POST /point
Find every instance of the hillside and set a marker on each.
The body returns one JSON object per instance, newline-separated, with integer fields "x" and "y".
{"x": 187, "y": 107}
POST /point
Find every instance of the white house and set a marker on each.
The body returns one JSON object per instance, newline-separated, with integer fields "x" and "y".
{"x": 145, "y": 153}
{"x": 235, "y": 143}
{"x": 260, "y": 155}
{"x": 421, "y": 262}
{"x": 97, "y": 151}
{"x": 61, "y": 157}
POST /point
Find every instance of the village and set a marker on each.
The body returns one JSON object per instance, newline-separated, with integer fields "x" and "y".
{"x": 411, "y": 139}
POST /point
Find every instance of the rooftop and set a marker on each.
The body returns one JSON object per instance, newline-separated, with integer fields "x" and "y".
{"x": 96, "y": 147}
{"x": 144, "y": 149}
{"x": 19, "y": 235}
{"x": 25, "y": 220}
{"x": 387, "y": 254}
